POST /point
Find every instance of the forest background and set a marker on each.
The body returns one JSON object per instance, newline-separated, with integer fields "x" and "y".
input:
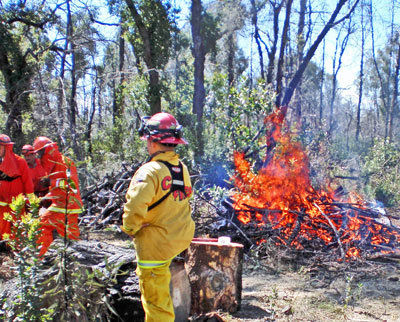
{"x": 84, "y": 73}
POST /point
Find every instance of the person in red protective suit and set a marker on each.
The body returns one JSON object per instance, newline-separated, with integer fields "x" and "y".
{"x": 36, "y": 170}
{"x": 66, "y": 203}
{"x": 14, "y": 180}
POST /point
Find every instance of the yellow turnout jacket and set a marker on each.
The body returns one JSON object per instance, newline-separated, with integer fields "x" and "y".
{"x": 166, "y": 230}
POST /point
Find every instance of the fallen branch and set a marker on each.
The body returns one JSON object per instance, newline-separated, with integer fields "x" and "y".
{"x": 334, "y": 230}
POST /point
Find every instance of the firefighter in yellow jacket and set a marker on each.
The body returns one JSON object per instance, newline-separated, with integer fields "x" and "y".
{"x": 157, "y": 213}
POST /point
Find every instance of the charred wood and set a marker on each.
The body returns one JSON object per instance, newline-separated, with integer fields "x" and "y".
{"x": 305, "y": 231}
{"x": 347, "y": 177}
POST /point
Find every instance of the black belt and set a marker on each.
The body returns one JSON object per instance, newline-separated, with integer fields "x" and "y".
{"x": 5, "y": 177}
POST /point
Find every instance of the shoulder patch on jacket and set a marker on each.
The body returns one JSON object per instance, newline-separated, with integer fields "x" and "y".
{"x": 140, "y": 176}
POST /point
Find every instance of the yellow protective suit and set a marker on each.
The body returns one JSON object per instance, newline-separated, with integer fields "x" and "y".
{"x": 160, "y": 234}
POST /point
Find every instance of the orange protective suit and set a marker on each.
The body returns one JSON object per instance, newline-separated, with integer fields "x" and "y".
{"x": 66, "y": 200}
{"x": 37, "y": 172}
{"x": 14, "y": 180}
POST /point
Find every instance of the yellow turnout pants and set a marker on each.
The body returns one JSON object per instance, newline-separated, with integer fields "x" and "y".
{"x": 154, "y": 280}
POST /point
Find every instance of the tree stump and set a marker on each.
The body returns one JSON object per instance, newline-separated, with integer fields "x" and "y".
{"x": 215, "y": 275}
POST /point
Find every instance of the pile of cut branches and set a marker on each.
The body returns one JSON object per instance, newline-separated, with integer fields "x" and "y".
{"x": 103, "y": 202}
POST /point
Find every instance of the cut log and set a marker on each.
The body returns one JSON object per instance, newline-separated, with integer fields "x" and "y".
{"x": 116, "y": 281}
{"x": 215, "y": 275}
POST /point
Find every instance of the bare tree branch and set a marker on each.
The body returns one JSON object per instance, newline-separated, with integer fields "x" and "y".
{"x": 310, "y": 53}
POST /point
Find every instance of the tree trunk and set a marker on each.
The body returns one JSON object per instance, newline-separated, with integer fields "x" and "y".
{"x": 382, "y": 95}
{"x": 300, "y": 53}
{"x": 272, "y": 52}
{"x": 391, "y": 76}
{"x": 61, "y": 87}
{"x": 199, "y": 54}
{"x": 91, "y": 117}
{"x": 17, "y": 81}
{"x": 215, "y": 275}
{"x": 118, "y": 102}
{"x": 72, "y": 98}
{"x": 257, "y": 37}
{"x": 333, "y": 88}
{"x": 311, "y": 51}
{"x": 154, "y": 95}
{"x": 231, "y": 60}
{"x": 321, "y": 88}
{"x": 360, "y": 88}
{"x": 284, "y": 40}
{"x": 335, "y": 72}
{"x": 17, "y": 101}
{"x": 393, "y": 105}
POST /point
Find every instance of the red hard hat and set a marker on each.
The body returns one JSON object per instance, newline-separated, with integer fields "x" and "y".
{"x": 41, "y": 142}
{"x": 28, "y": 149}
{"x": 163, "y": 128}
{"x": 5, "y": 140}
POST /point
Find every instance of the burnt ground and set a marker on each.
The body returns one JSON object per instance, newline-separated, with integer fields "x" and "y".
{"x": 281, "y": 286}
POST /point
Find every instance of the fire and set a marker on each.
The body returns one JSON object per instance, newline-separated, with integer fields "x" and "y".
{"x": 280, "y": 197}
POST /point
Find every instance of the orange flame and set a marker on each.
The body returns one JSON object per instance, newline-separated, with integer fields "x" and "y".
{"x": 280, "y": 196}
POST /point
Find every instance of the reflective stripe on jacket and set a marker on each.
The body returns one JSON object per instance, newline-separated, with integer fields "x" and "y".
{"x": 61, "y": 169}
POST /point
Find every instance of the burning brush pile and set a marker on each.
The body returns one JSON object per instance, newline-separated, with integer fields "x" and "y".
{"x": 282, "y": 205}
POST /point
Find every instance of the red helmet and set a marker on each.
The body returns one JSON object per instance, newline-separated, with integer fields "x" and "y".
{"x": 5, "y": 140}
{"x": 163, "y": 128}
{"x": 28, "y": 149}
{"x": 41, "y": 142}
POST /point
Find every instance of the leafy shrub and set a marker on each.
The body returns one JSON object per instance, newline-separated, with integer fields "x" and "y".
{"x": 381, "y": 169}
{"x": 23, "y": 242}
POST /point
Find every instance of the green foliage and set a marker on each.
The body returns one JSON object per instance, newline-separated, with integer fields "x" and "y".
{"x": 155, "y": 18}
{"x": 135, "y": 92}
{"x": 234, "y": 117}
{"x": 210, "y": 32}
{"x": 113, "y": 145}
{"x": 178, "y": 92}
{"x": 23, "y": 44}
{"x": 117, "y": 141}
{"x": 70, "y": 292}
{"x": 382, "y": 170}
{"x": 24, "y": 244}
{"x": 352, "y": 292}
{"x": 73, "y": 292}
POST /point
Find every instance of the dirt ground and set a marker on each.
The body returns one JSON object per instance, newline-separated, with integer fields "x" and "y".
{"x": 340, "y": 292}
{"x": 276, "y": 288}
{"x": 362, "y": 291}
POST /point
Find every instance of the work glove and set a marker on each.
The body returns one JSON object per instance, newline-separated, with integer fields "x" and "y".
{"x": 45, "y": 182}
{"x": 45, "y": 202}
